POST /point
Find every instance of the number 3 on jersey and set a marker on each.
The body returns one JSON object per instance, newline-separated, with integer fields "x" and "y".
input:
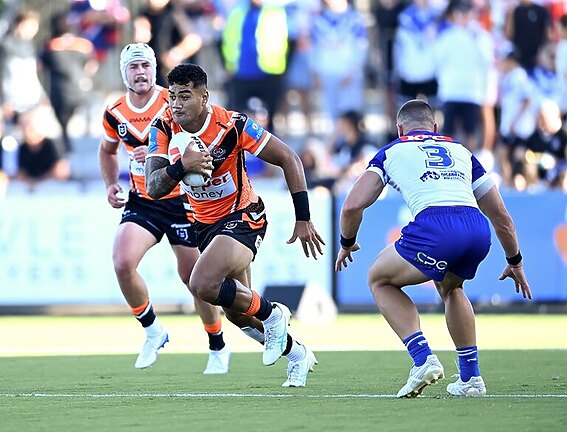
{"x": 437, "y": 156}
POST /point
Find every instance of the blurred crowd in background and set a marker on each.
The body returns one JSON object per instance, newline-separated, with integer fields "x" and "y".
{"x": 329, "y": 79}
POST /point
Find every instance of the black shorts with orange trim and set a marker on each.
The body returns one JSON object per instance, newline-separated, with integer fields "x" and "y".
{"x": 161, "y": 217}
{"x": 247, "y": 226}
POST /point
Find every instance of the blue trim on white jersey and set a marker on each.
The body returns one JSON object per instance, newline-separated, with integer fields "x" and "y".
{"x": 429, "y": 169}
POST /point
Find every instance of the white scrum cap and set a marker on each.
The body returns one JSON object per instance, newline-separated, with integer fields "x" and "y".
{"x": 136, "y": 52}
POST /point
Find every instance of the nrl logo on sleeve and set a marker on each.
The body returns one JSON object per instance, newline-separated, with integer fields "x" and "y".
{"x": 254, "y": 130}
{"x": 122, "y": 130}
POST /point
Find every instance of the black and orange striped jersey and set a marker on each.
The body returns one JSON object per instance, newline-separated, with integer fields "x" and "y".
{"x": 125, "y": 123}
{"x": 227, "y": 135}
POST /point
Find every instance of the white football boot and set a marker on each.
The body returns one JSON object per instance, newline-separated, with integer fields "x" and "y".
{"x": 421, "y": 376}
{"x": 149, "y": 353}
{"x": 473, "y": 387}
{"x": 218, "y": 362}
{"x": 297, "y": 370}
{"x": 275, "y": 333}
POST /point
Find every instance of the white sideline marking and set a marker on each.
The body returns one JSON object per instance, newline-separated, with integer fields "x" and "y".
{"x": 251, "y": 395}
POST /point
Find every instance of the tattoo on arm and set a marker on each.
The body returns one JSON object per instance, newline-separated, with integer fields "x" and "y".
{"x": 158, "y": 183}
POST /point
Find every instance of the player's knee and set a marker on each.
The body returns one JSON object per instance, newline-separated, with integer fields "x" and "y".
{"x": 202, "y": 290}
{"x": 375, "y": 283}
{"x": 192, "y": 290}
{"x": 445, "y": 291}
{"x": 209, "y": 291}
{"x": 124, "y": 268}
{"x": 374, "y": 289}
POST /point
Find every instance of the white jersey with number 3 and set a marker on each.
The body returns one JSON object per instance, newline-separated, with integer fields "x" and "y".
{"x": 431, "y": 170}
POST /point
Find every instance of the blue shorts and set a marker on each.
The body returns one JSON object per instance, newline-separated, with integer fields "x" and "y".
{"x": 446, "y": 239}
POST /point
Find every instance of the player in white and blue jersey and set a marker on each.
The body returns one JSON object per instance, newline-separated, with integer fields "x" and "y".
{"x": 447, "y": 190}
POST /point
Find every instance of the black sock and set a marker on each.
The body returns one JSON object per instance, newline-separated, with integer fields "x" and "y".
{"x": 265, "y": 310}
{"x": 147, "y": 318}
{"x": 216, "y": 341}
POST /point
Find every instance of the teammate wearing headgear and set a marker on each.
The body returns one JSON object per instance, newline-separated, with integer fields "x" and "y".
{"x": 145, "y": 221}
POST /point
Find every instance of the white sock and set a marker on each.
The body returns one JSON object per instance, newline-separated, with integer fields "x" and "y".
{"x": 297, "y": 353}
{"x": 155, "y": 329}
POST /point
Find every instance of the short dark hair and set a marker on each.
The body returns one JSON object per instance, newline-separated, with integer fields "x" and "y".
{"x": 353, "y": 117}
{"x": 187, "y": 73}
{"x": 416, "y": 113}
{"x": 60, "y": 24}
{"x": 459, "y": 5}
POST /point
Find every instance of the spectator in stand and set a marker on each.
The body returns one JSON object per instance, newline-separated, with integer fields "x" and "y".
{"x": 386, "y": 13}
{"x": 487, "y": 20}
{"x": 528, "y": 27}
{"x": 21, "y": 88}
{"x": 415, "y": 39}
{"x": 349, "y": 148}
{"x": 69, "y": 63}
{"x": 100, "y": 21}
{"x": 317, "y": 165}
{"x": 339, "y": 55}
{"x": 171, "y": 29}
{"x": 546, "y": 150}
{"x": 561, "y": 65}
{"x": 40, "y": 158}
{"x": 517, "y": 116}
{"x": 153, "y": 21}
{"x": 298, "y": 80}
{"x": 544, "y": 76}
{"x": 464, "y": 52}
{"x": 255, "y": 50}
{"x": 190, "y": 19}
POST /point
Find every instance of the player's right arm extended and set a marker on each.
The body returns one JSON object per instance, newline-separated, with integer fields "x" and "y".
{"x": 158, "y": 182}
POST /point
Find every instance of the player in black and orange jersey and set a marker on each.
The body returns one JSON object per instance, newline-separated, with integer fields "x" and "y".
{"x": 144, "y": 220}
{"x": 230, "y": 217}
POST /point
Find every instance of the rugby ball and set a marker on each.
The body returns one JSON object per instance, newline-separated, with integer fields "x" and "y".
{"x": 177, "y": 146}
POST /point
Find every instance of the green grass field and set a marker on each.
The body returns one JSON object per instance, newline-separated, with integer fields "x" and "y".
{"x": 350, "y": 390}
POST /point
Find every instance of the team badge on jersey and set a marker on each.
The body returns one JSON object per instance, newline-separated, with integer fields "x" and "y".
{"x": 230, "y": 225}
{"x": 218, "y": 152}
{"x": 122, "y": 130}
